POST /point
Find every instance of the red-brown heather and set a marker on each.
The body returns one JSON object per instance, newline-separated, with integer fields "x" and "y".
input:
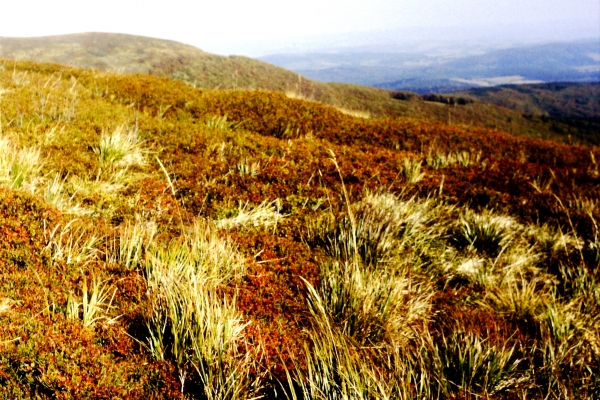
{"x": 488, "y": 243}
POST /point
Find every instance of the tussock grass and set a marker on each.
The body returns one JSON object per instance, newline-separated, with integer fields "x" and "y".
{"x": 543, "y": 185}
{"x": 372, "y": 307}
{"x": 298, "y": 95}
{"x": 476, "y": 269}
{"x": 200, "y": 253}
{"x": 354, "y": 113}
{"x": 122, "y": 147}
{"x": 5, "y": 305}
{"x": 584, "y": 205}
{"x": 244, "y": 167}
{"x": 467, "y": 158}
{"x": 102, "y": 194}
{"x": 96, "y": 300}
{"x": 19, "y": 167}
{"x": 220, "y": 122}
{"x": 72, "y": 244}
{"x": 335, "y": 369}
{"x": 520, "y": 299}
{"x": 477, "y": 367}
{"x": 411, "y": 170}
{"x": 133, "y": 241}
{"x": 265, "y": 215}
{"x": 56, "y": 193}
{"x": 439, "y": 160}
{"x": 189, "y": 322}
{"x": 20, "y": 78}
{"x": 485, "y": 232}
{"x": 370, "y": 298}
{"x": 340, "y": 367}
{"x": 384, "y": 226}
{"x": 569, "y": 348}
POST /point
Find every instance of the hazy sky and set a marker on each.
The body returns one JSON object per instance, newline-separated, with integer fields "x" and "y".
{"x": 227, "y": 26}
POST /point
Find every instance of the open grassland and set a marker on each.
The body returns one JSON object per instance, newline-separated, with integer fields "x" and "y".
{"x": 160, "y": 241}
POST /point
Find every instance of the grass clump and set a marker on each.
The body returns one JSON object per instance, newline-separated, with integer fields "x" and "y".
{"x": 56, "y": 193}
{"x": 5, "y": 305}
{"x": 122, "y": 147}
{"x": 134, "y": 240}
{"x": 96, "y": 300}
{"x": 220, "y": 122}
{"x": 335, "y": 369}
{"x": 383, "y": 227}
{"x": 199, "y": 252}
{"x": 372, "y": 306}
{"x": 485, "y": 232}
{"x": 244, "y": 167}
{"x": 477, "y": 367}
{"x": 189, "y": 321}
{"x": 440, "y": 160}
{"x": 519, "y": 298}
{"x": 71, "y": 244}
{"x": 354, "y": 113}
{"x": 19, "y": 167}
{"x": 265, "y": 215}
{"x": 411, "y": 170}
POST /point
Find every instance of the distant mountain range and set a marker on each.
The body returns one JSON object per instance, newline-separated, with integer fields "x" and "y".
{"x": 437, "y": 70}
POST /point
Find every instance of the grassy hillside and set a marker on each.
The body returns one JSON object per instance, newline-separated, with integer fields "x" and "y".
{"x": 134, "y": 54}
{"x": 578, "y": 100}
{"x": 570, "y": 108}
{"x": 160, "y": 241}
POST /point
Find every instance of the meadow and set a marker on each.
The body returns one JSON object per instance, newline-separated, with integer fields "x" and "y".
{"x": 163, "y": 241}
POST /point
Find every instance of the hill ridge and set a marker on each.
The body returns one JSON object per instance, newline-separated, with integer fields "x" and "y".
{"x": 125, "y": 53}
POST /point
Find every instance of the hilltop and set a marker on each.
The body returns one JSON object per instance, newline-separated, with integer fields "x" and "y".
{"x": 163, "y": 241}
{"x": 134, "y": 54}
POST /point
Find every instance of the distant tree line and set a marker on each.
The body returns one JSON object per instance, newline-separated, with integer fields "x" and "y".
{"x": 438, "y": 98}
{"x": 403, "y": 95}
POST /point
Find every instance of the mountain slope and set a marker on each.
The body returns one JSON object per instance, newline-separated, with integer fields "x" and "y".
{"x": 569, "y": 108}
{"x": 134, "y": 54}
{"x": 580, "y": 100}
{"x": 163, "y": 242}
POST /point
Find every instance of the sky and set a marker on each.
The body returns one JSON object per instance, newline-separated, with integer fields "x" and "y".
{"x": 257, "y": 27}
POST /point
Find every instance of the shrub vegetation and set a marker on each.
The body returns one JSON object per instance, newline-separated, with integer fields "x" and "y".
{"x": 160, "y": 241}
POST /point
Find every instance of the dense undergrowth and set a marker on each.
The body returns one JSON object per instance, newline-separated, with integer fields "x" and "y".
{"x": 158, "y": 241}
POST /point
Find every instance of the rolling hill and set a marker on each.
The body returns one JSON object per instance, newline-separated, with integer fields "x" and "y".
{"x": 134, "y": 54}
{"x": 569, "y": 108}
{"x": 565, "y": 99}
{"x": 160, "y": 241}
